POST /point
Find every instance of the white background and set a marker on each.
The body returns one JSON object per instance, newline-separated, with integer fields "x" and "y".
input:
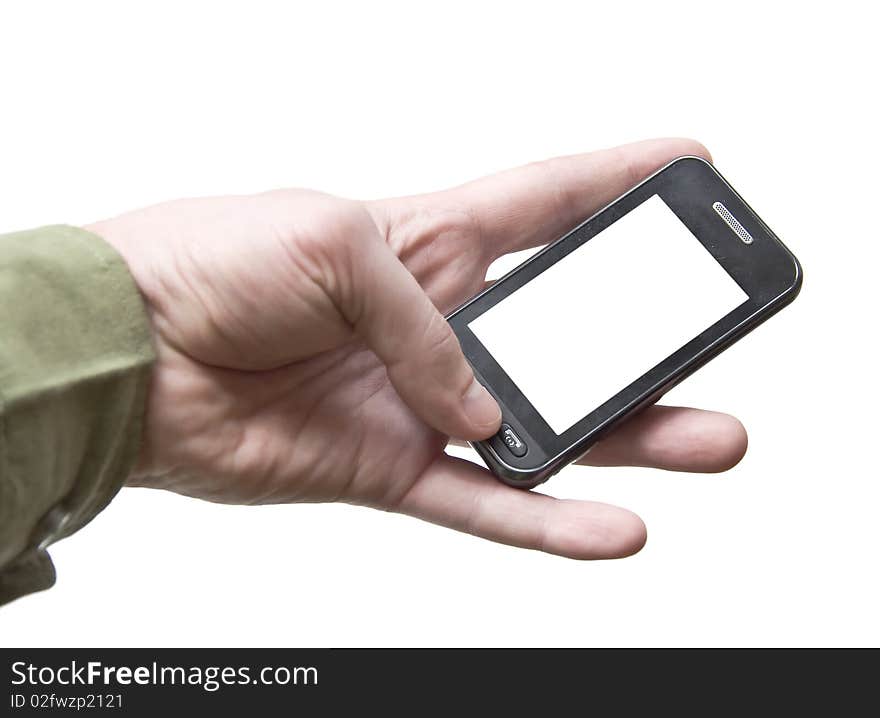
{"x": 106, "y": 106}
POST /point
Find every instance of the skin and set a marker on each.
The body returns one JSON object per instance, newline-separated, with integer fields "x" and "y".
{"x": 303, "y": 355}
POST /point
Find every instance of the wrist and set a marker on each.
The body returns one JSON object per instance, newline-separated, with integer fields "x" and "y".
{"x": 111, "y": 234}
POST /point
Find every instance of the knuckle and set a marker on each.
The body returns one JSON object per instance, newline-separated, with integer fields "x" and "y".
{"x": 439, "y": 338}
{"x": 443, "y": 349}
{"x": 328, "y": 237}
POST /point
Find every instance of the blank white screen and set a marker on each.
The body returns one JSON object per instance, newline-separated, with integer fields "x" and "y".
{"x": 607, "y": 313}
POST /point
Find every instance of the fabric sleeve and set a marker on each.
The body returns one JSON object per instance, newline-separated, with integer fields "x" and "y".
{"x": 75, "y": 359}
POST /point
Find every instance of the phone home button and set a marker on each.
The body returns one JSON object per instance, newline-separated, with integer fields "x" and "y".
{"x": 510, "y": 440}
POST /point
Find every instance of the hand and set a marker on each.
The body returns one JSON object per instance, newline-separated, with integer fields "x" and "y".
{"x": 302, "y": 353}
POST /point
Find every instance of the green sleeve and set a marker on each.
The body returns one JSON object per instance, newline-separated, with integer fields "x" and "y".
{"x": 75, "y": 357}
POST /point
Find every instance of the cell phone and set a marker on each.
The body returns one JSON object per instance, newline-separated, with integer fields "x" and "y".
{"x": 694, "y": 269}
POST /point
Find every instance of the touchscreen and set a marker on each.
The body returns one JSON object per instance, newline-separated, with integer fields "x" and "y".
{"x": 618, "y": 305}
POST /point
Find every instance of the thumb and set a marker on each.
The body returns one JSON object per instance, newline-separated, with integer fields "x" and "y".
{"x": 389, "y": 310}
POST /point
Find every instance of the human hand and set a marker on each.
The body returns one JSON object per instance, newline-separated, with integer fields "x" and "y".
{"x": 302, "y": 353}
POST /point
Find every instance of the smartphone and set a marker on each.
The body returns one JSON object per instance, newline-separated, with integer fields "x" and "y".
{"x": 602, "y": 322}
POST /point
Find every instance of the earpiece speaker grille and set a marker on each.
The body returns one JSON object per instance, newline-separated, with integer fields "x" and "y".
{"x": 732, "y": 222}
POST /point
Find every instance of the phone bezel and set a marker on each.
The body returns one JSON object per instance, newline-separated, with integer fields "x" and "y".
{"x": 765, "y": 269}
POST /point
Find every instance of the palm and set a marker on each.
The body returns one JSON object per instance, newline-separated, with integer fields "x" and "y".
{"x": 275, "y": 400}
{"x": 325, "y": 428}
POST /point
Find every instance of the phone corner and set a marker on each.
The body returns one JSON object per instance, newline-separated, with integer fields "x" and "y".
{"x": 692, "y": 159}
{"x": 518, "y": 478}
{"x": 798, "y": 280}
{"x": 794, "y": 278}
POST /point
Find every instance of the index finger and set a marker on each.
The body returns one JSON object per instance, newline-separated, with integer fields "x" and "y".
{"x": 536, "y": 203}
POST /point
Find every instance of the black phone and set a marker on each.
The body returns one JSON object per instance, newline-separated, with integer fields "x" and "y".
{"x": 621, "y": 308}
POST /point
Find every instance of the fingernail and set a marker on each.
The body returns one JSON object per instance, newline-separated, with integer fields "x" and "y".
{"x": 480, "y": 407}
